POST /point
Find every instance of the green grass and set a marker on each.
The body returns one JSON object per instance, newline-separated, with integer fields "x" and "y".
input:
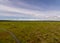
{"x": 31, "y": 32}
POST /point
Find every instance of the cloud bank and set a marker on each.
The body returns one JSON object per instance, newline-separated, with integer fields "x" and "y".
{"x": 21, "y": 10}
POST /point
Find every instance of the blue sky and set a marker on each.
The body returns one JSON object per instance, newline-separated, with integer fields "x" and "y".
{"x": 29, "y": 9}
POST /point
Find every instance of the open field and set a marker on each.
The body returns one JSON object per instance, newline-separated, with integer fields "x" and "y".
{"x": 30, "y": 32}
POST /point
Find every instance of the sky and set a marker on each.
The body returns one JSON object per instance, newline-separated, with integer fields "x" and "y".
{"x": 29, "y": 9}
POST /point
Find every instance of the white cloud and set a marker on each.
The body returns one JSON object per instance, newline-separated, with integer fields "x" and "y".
{"x": 19, "y": 10}
{"x": 35, "y": 13}
{"x": 20, "y": 3}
